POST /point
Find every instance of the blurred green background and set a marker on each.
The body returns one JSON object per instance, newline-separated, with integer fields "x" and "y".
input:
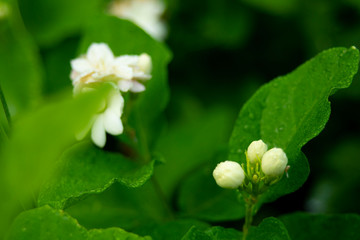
{"x": 222, "y": 52}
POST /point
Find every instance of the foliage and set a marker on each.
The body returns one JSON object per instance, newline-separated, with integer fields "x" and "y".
{"x": 305, "y": 226}
{"x": 291, "y": 110}
{"x": 155, "y": 180}
{"x": 59, "y": 225}
{"x": 87, "y": 170}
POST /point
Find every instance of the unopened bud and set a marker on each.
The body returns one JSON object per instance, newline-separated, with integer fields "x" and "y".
{"x": 256, "y": 150}
{"x": 229, "y": 174}
{"x": 274, "y": 162}
{"x": 145, "y": 63}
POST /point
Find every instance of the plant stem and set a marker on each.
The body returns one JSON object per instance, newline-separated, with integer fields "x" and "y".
{"x": 162, "y": 196}
{"x": 250, "y": 202}
{"x": 5, "y": 106}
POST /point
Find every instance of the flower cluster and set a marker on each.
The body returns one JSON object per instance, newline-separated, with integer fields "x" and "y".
{"x": 99, "y": 65}
{"x": 264, "y": 168}
{"x": 145, "y": 13}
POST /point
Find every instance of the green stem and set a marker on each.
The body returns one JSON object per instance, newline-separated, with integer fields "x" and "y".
{"x": 5, "y": 106}
{"x": 162, "y": 197}
{"x": 250, "y": 202}
{"x": 144, "y": 152}
{"x": 3, "y": 133}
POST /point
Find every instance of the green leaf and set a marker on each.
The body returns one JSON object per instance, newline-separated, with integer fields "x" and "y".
{"x": 173, "y": 230}
{"x": 196, "y": 234}
{"x": 183, "y": 149}
{"x": 224, "y": 233}
{"x": 269, "y": 229}
{"x": 120, "y": 206}
{"x": 85, "y": 169}
{"x": 214, "y": 233}
{"x": 124, "y": 37}
{"x": 46, "y": 223}
{"x": 52, "y": 21}
{"x": 113, "y": 234}
{"x": 291, "y": 110}
{"x": 20, "y": 69}
{"x": 211, "y": 202}
{"x": 29, "y": 155}
{"x": 309, "y": 226}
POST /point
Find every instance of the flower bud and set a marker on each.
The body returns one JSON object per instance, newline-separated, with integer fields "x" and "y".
{"x": 274, "y": 162}
{"x": 145, "y": 63}
{"x": 229, "y": 174}
{"x": 256, "y": 150}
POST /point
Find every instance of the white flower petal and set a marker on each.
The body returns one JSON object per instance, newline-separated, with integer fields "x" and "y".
{"x": 256, "y": 151}
{"x": 100, "y": 56}
{"x": 81, "y": 65}
{"x": 125, "y": 85}
{"x": 84, "y": 77}
{"x": 116, "y": 103}
{"x": 141, "y": 76}
{"x": 146, "y": 14}
{"x": 145, "y": 63}
{"x": 274, "y": 162}
{"x": 98, "y": 134}
{"x": 130, "y": 60}
{"x": 112, "y": 123}
{"x": 137, "y": 87}
{"x": 98, "y": 76}
{"x": 74, "y": 76}
{"x": 229, "y": 174}
{"x": 122, "y": 70}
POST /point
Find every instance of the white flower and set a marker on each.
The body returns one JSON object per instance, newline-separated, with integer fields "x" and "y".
{"x": 100, "y": 65}
{"x": 107, "y": 120}
{"x": 141, "y": 67}
{"x": 256, "y": 151}
{"x": 229, "y": 174}
{"x": 145, "y": 13}
{"x": 274, "y": 162}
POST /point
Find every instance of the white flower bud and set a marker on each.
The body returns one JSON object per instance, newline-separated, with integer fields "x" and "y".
{"x": 274, "y": 162}
{"x": 256, "y": 150}
{"x": 229, "y": 174}
{"x": 145, "y": 63}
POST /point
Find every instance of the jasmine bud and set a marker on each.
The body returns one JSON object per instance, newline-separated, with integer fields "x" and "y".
{"x": 229, "y": 175}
